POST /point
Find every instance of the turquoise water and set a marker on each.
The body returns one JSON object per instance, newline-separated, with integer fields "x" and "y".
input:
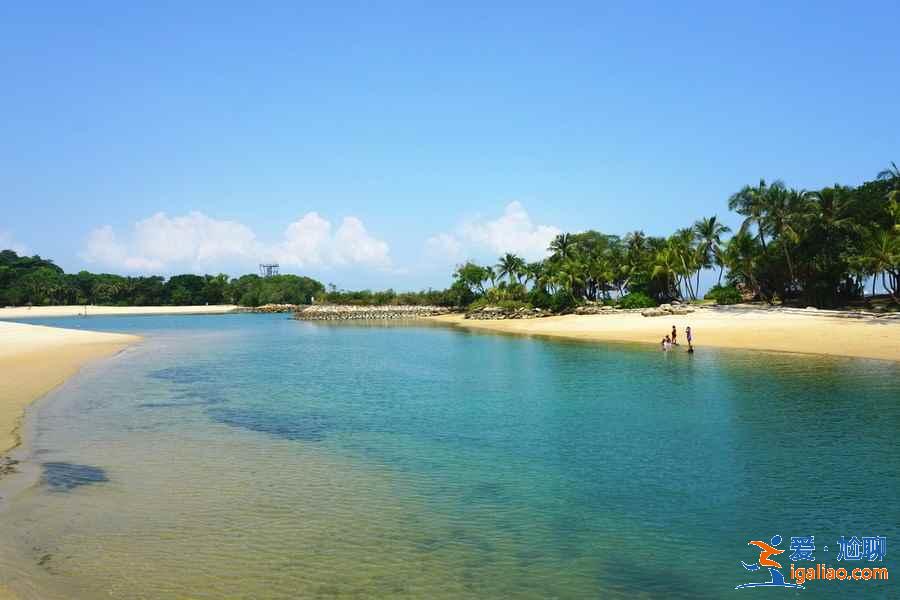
{"x": 253, "y": 456}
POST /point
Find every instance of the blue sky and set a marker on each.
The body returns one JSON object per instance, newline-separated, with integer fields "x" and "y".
{"x": 377, "y": 144}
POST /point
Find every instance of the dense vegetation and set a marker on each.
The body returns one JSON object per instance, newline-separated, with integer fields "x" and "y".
{"x": 34, "y": 280}
{"x": 390, "y": 297}
{"x": 812, "y": 248}
{"x": 37, "y": 281}
{"x": 817, "y": 248}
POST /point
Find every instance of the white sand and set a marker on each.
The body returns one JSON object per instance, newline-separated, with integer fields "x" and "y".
{"x": 35, "y": 359}
{"x": 812, "y": 332}
{"x": 21, "y": 312}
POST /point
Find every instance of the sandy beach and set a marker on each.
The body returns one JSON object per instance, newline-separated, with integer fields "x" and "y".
{"x": 36, "y": 359}
{"x": 23, "y": 312}
{"x": 750, "y": 328}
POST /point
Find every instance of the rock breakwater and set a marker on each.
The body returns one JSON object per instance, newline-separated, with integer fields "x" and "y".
{"x": 343, "y": 312}
{"x": 667, "y": 309}
{"x": 489, "y": 313}
{"x": 276, "y": 308}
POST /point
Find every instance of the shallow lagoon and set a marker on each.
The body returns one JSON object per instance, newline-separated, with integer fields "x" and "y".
{"x": 253, "y": 456}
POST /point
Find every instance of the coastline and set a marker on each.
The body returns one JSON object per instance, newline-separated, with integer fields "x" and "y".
{"x": 745, "y": 328}
{"x": 35, "y": 359}
{"x": 23, "y": 312}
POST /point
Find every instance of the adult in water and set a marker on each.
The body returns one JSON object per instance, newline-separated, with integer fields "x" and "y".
{"x": 690, "y": 339}
{"x": 674, "y": 336}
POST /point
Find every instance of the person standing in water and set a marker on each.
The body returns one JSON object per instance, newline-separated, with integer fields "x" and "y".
{"x": 690, "y": 338}
{"x": 674, "y": 336}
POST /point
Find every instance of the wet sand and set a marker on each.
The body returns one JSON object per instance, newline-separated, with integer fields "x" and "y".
{"x": 35, "y": 359}
{"x": 750, "y": 328}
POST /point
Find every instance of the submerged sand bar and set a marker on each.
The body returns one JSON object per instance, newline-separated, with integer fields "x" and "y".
{"x": 750, "y": 328}
{"x": 35, "y": 359}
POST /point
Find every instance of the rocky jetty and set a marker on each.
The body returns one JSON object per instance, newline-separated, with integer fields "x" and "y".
{"x": 494, "y": 313}
{"x": 667, "y": 309}
{"x": 594, "y": 309}
{"x": 343, "y": 312}
{"x": 276, "y": 308}
{"x": 598, "y": 308}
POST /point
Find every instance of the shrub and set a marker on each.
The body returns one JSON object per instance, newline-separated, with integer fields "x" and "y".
{"x": 636, "y": 300}
{"x": 562, "y": 301}
{"x": 723, "y": 294}
{"x": 514, "y": 291}
{"x": 539, "y": 298}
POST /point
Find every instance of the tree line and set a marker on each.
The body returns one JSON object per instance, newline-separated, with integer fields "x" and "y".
{"x": 799, "y": 246}
{"x": 32, "y": 280}
{"x": 37, "y": 281}
{"x": 814, "y": 248}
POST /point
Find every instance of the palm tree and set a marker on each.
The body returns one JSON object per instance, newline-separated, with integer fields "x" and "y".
{"x": 740, "y": 256}
{"x": 563, "y": 246}
{"x": 599, "y": 272}
{"x": 532, "y": 272}
{"x": 834, "y": 216}
{"x": 892, "y": 175}
{"x": 688, "y": 259}
{"x": 880, "y": 254}
{"x": 665, "y": 262}
{"x": 709, "y": 232}
{"x": 636, "y": 241}
{"x": 569, "y": 276}
{"x": 511, "y": 266}
{"x": 784, "y": 214}
{"x": 750, "y": 202}
{"x": 492, "y": 275}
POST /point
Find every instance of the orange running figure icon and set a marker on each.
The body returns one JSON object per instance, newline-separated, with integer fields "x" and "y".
{"x": 767, "y": 551}
{"x": 776, "y": 579}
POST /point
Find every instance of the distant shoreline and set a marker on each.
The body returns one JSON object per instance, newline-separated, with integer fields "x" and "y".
{"x": 24, "y": 312}
{"x": 746, "y": 328}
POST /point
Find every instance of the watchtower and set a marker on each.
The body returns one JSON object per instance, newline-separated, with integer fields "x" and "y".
{"x": 267, "y": 270}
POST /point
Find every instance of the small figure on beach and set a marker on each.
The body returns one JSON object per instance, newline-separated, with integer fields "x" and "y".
{"x": 690, "y": 339}
{"x": 674, "y": 336}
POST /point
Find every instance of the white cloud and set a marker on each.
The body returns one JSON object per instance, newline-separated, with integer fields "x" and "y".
{"x": 196, "y": 241}
{"x": 193, "y": 239}
{"x": 513, "y": 231}
{"x": 309, "y": 242}
{"x": 104, "y": 248}
{"x": 8, "y": 242}
{"x": 443, "y": 245}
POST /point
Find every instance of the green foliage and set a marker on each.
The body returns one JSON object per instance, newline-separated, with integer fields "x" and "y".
{"x": 252, "y": 290}
{"x": 473, "y": 277}
{"x": 723, "y": 294}
{"x": 636, "y": 300}
{"x": 33, "y": 280}
{"x": 451, "y": 297}
{"x": 810, "y": 247}
{"x": 562, "y": 301}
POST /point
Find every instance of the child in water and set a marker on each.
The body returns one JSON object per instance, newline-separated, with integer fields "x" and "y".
{"x": 690, "y": 339}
